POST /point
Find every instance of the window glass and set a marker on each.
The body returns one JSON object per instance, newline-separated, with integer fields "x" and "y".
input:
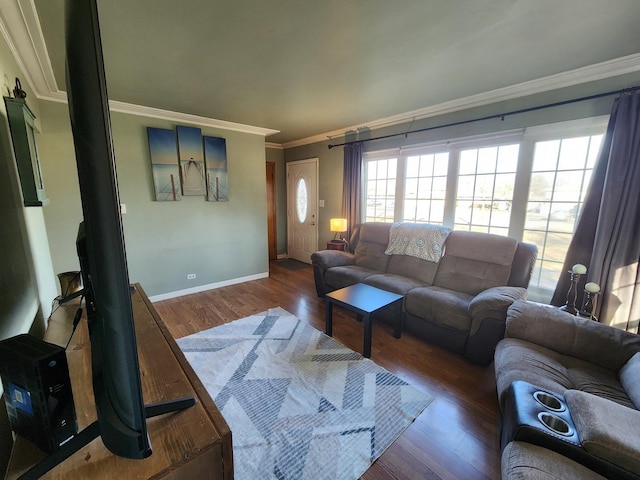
{"x": 301, "y": 200}
{"x": 555, "y": 200}
{"x": 484, "y": 196}
{"x": 425, "y": 188}
{"x": 381, "y": 190}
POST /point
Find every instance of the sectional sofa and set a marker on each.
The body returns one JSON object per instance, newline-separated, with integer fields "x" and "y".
{"x": 593, "y": 370}
{"x": 459, "y": 301}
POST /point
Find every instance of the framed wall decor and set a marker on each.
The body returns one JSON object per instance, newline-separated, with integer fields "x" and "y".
{"x": 164, "y": 164}
{"x": 217, "y": 177}
{"x": 191, "y": 161}
{"x": 23, "y": 137}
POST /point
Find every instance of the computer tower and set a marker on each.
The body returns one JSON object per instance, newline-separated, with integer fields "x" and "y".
{"x": 37, "y": 391}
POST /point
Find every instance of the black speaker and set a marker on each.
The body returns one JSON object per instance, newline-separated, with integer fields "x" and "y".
{"x": 37, "y": 391}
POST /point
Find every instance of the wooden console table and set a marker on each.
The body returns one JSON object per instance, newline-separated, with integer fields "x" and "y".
{"x": 192, "y": 443}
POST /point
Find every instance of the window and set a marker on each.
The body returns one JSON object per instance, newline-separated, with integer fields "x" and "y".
{"x": 301, "y": 200}
{"x": 380, "y": 190}
{"x": 528, "y": 184}
{"x": 486, "y": 180}
{"x": 559, "y": 179}
{"x": 425, "y": 188}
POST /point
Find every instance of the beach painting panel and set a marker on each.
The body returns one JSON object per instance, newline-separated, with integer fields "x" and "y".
{"x": 217, "y": 179}
{"x": 164, "y": 164}
{"x": 191, "y": 161}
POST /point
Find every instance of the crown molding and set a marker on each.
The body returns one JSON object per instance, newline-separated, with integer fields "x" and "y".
{"x": 20, "y": 28}
{"x": 273, "y": 145}
{"x": 152, "y": 112}
{"x": 570, "y": 78}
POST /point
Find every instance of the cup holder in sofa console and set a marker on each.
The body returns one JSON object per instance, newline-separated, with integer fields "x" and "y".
{"x": 555, "y": 424}
{"x": 551, "y": 402}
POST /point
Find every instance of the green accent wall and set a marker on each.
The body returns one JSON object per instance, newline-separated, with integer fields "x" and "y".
{"x": 165, "y": 241}
{"x": 27, "y": 284}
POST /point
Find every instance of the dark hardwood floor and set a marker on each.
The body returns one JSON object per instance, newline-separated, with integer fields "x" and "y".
{"x": 456, "y": 437}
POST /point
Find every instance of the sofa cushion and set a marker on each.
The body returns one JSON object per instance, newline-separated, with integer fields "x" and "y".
{"x": 372, "y": 242}
{"x": 630, "y": 379}
{"x": 375, "y": 232}
{"x": 340, "y": 277}
{"x": 475, "y": 261}
{"x": 517, "y": 359}
{"x": 571, "y": 335}
{"x": 393, "y": 283}
{"x": 524, "y": 461}
{"x": 607, "y": 430}
{"x": 440, "y": 305}
{"x": 413, "y": 267}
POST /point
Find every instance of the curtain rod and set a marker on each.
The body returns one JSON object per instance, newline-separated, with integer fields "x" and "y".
{"x": 491, "y": 117}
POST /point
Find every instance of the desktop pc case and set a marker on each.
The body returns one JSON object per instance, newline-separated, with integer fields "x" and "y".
{"x": 37, "y": 391}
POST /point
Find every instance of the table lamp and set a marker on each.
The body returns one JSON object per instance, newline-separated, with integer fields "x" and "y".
{"x": 338, "y": 225}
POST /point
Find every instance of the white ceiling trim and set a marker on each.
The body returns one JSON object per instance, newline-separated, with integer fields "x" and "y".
{"x": 18, "y": 19}
{"x": 143, "y": 111}
{"x": 20, "y": 27}
{"x": 590, "y": 73}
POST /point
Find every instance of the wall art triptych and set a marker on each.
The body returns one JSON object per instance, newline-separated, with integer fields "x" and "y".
{"x": 185, "y": 163}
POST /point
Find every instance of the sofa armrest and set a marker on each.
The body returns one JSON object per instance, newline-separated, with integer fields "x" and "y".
{"x": 493, "y": 302}
{"x": 322, "y": 260}
{"x": 332, "y": 258}
{"x": 488, "y": 311}
{"x": 570, "y": 335}
{"x": 606, "y": 429}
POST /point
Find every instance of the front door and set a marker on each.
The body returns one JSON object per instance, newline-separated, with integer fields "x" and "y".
{"x": 302, "y": 209}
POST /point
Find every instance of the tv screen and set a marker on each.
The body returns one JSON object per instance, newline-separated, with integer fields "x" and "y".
{"x": 101, "y": 247}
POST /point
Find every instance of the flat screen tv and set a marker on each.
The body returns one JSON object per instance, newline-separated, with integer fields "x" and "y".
{"x": 121, "y": 411}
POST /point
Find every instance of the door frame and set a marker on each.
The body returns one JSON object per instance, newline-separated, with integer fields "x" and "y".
{"x": 291, "y": 208}
{"x": 272, "y": 233}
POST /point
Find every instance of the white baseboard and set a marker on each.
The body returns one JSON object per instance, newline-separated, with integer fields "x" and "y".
{"x": 282, "y": 256}
{"x": 210, "y": 286}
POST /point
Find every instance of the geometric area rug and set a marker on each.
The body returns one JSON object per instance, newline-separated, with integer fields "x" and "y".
{"x": 299, "y": 404}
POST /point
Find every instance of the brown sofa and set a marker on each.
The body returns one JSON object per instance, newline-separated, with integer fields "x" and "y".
{"x": 593, "y": 368}
{"x": 459, "y": 302}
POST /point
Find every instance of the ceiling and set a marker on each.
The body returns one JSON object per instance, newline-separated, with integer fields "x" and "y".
{"x": 306, "y": 68}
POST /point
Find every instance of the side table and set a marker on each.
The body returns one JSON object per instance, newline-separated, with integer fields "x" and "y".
{"x": 337, "y": 245}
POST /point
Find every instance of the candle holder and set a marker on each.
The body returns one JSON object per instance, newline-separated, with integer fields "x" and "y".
{"x": 572, "y": 294}
{"x": 589, "y": 304}
{"x": 589, "y": 299}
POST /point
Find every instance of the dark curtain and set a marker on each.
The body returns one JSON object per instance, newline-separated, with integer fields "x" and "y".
{"x": 352, "y": 186}
{"x": 607, "y": 235}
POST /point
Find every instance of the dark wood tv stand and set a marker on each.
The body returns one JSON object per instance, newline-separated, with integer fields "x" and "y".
{"x": 192, "y": 443}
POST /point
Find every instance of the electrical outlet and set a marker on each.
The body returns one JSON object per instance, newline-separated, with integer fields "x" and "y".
{"x": 191, "y": 276}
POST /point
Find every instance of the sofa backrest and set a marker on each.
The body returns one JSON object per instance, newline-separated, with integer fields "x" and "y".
{"x": 372, "y": 241}
{"x": 522, "y": 267}
{"x": 473, "y": 262}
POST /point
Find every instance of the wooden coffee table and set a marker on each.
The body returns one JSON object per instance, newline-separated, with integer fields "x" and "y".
{"x": 363, "y": 300}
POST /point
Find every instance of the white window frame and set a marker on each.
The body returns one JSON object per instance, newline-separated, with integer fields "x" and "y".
{"x": 526, "y": 138}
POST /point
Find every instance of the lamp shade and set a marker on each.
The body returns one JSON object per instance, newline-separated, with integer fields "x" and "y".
{"x": 338, "y": 224}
